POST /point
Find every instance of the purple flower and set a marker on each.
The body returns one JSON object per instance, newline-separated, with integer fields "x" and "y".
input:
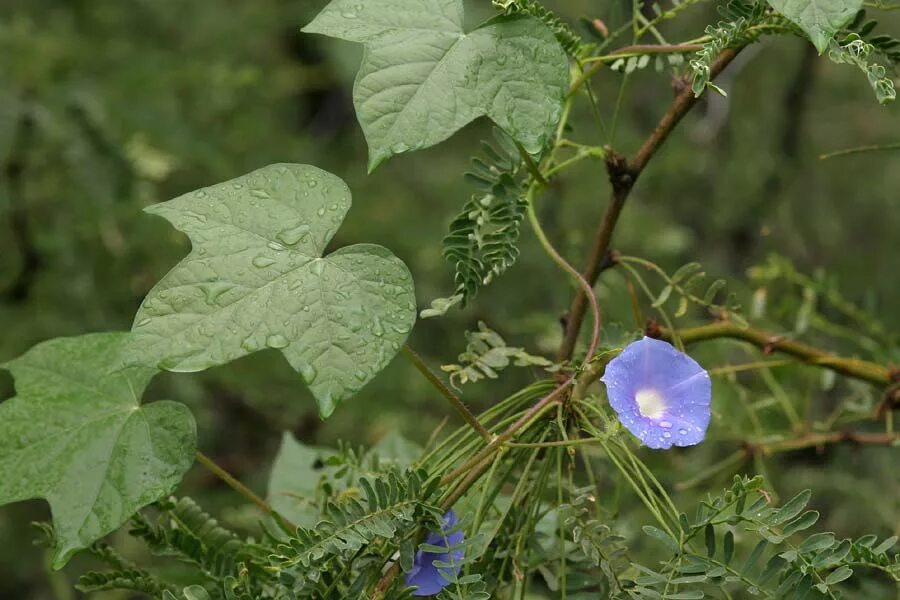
{"x": 660, "y": 394}
{"x": 428, "y": 577}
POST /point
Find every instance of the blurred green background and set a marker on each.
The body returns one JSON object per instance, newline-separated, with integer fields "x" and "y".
{"x": 107, "y": 106}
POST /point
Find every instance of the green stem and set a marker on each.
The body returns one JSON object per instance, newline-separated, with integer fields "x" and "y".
{"x": 769, "y": 342}
{"x": 860, "y": 149}
{"x": 239, "y": 487}
{"x": 442, "y": 388}
{"x": 565, "y": 266}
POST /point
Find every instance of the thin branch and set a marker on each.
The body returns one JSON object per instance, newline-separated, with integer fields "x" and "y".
{"x": 446, "y": 392}
{"x": 816, "y": 440}
{"x": 769, "y": 342}
{"x": 519, "y": 425}
{"x": 810, "y": 440}
{"x": 639, "y": 49}
{"x": 623, "y": 174}
{"x": 239, "y": 487}
{"x": 557, "y": 443}
{"x": 859, "y": 150}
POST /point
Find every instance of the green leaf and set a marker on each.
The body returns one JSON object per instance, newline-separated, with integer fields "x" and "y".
{"x": 791, "y": 508}
{"x": 294, "y": 479}
{"x": 663, "y": 296}
{"x": 396, "y": 449}
{"x": 423, "y": 78}
{"x": 710, "y": 536}
{"x": 816, "y": 542}
{"x": 804, "y": 521}
{"x": 77, "y": 435}
{"x": 195, "y": 592}
{"x": 728, "y": 547}
{"x": 256, "y": 279}
{"x": 838, "y": 575}
{"x": 662, "y": 536}
{"x": 819, "y": 19}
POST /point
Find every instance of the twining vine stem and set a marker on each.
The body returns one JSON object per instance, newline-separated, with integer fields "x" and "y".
{"x": 584, "y": 286}
{"x": 622, "y": 175}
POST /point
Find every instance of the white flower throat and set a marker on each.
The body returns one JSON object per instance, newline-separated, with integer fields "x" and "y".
{"x": 650, "y": 403}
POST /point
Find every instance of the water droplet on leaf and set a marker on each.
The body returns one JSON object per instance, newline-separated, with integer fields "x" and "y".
{"x": 277, "y": 341}
{"x": 263, "y": 262}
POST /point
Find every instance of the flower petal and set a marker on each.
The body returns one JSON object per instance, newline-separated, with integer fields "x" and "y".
{"x": 426, "y": 575}
{"x": 661, "y": 395}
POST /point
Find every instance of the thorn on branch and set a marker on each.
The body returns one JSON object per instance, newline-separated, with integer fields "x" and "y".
{"x": 771, "y": 345}
{"x": 620, "y": 175}
{"x": 680, "y": 84}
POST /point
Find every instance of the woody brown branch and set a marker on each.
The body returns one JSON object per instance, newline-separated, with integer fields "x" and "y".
{"x": 622, "y": 175}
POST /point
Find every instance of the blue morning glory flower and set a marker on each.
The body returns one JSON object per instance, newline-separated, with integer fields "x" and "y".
{"x": 660, "y": 394}
{"x": 428, "y": 578}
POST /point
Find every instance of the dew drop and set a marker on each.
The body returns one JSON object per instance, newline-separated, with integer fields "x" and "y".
{"x": 665, "y": 424}
{"x": 263, "y": 262}
{"x": 377, "y": 327}
{"x": 294, "y": 234}
{"x": 250, "y": 344}
{"x": 214, "y": 290}
{"x": 318, "y": 266}
{"x": 682, "y": 432}
{"x": 308, "y": 373}
{"x": 667, "y": 434}
{"x": 143, "y": 322}
{"x": 321, "y": 211}
{"x": 195, "y": 215}
{"x": 277, "y": 341}
{"x": 275, "y": 246}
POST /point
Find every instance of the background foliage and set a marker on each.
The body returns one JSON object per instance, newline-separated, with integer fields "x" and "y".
{"x": 108, "y": 106}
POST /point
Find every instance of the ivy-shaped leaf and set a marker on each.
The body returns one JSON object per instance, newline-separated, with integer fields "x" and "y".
{"x": 423, "y": 78}
{"x": 256, "y": 279}
{"x": 77, "y": 435}
{"x": 819, "y": 19}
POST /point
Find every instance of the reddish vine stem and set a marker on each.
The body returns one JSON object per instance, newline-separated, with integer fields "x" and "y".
{"x": 521, "y": 423}
{"x": 622, "y": 175}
